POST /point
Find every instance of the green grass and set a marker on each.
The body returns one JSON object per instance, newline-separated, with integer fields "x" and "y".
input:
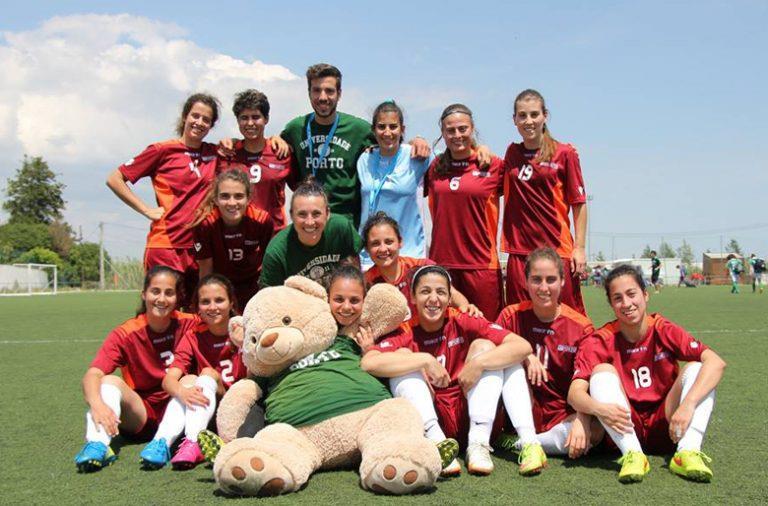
{"x": 47, "y": 342}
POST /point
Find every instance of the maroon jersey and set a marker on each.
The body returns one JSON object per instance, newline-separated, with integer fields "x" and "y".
{"x": 180, "y": 176}
{"x": 407, "y": 267}
{"x": 448, "y": 345}
{"x": 237, "y": 252}
{"x": 199, "y": 349}
{"x": 268, "y": 176}
{"x": 465, "y": 214}
{"x": 555, "y": 344}
{"x": 143, "y": 355}
{"x": 537, "y": 197}
{"x": 647, "y": 368}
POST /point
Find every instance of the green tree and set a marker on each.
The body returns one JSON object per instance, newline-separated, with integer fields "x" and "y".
{"x": 733, "y": 247}
{"x": 84, "y": 259}
{"x": 34, "y": 194}
{"x": 685, "y": 252}
{"x": 22, "y": 237}
{"x": 646, "y": 252}
{"x": 62, "y": 237}
{"x": 665, "y": 250}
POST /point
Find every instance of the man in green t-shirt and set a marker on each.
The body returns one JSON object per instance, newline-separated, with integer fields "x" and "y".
{"x": 314, "y": 243}
{"x": 327, "y": 143}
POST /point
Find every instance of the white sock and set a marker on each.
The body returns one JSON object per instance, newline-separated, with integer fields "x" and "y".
{"x": 198, "y": 417}
{"x": 517, "y": 402}
{"x": 694, "y": 436}
{"x": 482, "y": 402}
{"x": 553, "y": 441}
{"x": 172, "y": 423}
{"x": 414, "y": 387}
{"x": 111, "y": 396}
{"x": 605, "y": 387}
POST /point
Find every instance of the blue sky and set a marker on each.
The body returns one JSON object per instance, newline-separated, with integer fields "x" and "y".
{"x": 665, "y": 100}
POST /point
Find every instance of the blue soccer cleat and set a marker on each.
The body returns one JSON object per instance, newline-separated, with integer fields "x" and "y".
{"x": 93, "y": 456}
{"x": 155, "y": 455}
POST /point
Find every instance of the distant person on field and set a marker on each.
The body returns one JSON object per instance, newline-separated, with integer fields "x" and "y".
{"x": 655, "y": 271}
{"x": 757, "y": 266}
{"x": 681, "y": 281}
{"x": 735, "y": 268}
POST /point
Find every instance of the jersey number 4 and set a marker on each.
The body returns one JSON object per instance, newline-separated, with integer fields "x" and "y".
{"x": 642, "y": 377}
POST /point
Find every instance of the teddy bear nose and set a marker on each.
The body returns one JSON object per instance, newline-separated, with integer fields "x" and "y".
{"x": 268, "y": 340}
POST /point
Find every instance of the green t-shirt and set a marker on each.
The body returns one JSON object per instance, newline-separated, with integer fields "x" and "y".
{"x": 735, "y": 266}
{"x": 321, "y": 386}
{"x": 338, "y": 170}
{"x": 286, "y": 256}
{"x": 655, "y": 265}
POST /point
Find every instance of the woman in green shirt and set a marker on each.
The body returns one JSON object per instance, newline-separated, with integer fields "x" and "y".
{"x": 315, "y": 242}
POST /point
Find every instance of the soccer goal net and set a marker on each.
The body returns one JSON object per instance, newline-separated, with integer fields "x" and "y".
{"x": 29, "y": 279}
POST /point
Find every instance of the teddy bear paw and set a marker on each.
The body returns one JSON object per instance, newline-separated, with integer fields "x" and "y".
{"x": 250, "y": 472}
{"x": 398, "y": 476}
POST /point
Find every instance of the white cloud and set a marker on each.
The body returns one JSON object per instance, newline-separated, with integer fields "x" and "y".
{"x": 87, "y": 92}
{"x": 97, "y": 88}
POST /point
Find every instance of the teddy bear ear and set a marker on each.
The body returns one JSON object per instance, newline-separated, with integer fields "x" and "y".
{"x": 307, "y": 286}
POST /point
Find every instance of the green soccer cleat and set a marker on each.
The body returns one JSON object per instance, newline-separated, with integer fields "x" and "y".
{"x": 691, "y": 465}
{"x": 210, "y": 444}
{"x": 448, "y": 449}
{"x": 634, "y": 466}
{"x": 532, "y": 459}
{"x": 93, "y": 456}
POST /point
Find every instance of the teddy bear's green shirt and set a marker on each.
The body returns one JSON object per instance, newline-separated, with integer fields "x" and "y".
{"x": 321, "y": 386}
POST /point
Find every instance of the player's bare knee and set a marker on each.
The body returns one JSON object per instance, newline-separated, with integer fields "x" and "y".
{"x": 479, "y": 346}
{"x": 210, "y": 372}
{"x": 111, "y": 379}
{"x": 403, "y": 350}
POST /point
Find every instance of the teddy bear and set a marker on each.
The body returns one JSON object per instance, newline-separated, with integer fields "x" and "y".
{"x": 323, "y": 410}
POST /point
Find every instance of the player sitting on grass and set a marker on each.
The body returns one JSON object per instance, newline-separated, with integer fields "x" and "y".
{"x": 627, "y": 375}
{"x": 142, "y": 347}
{"x": 555, "y": 331}
{"x": 464, "y": 358}
{"x": 205, "y": 364}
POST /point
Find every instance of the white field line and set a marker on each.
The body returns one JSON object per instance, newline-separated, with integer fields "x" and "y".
{"x": 55, "y": 341}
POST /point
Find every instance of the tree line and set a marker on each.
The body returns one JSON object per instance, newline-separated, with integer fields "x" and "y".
{"x": 36, "y": 231}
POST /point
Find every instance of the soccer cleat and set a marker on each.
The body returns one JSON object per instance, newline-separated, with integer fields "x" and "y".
{"x": 634, "y": 465}
{"x": 479, "y": 459}
{"x": 210, "y": 444}
{"x": 155, "y": 455}
{"x": 508, "y": 442}
{"x": 451, "y": 470}
{"x": 532, "y": 459}
{"x": 692, "y": 465}
{"x": 187, "y": 456}
{"x": 449, "y": 449}
{"x": 93, "y": 456}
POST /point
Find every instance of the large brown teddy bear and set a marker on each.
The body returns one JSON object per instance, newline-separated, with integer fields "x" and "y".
{"x": 323, "y": 410}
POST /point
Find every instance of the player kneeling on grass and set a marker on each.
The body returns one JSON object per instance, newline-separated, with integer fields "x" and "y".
{"x": 208, "y": 351}
{"x": 464, "y": 359}
{"x": 627, "y": 375}
{"x": 142, "y": 347}
{"x": 555, "y": 331}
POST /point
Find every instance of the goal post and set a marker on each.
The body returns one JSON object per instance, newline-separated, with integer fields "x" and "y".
{"x": 29, "y": 279}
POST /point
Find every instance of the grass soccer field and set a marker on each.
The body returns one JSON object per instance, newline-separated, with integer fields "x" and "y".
{"x": 46, "y": 343}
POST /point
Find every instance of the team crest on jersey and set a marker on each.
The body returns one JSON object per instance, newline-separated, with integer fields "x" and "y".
{"x": 316, "y": 272}
{"x": 660, "y": 356}
{"x": 198, "y": 246}
{"x": 481, "y": 173}
{"x": 496, "y": 326}
{"x": 694, "y": 344}
{"x": 455, "y": 341}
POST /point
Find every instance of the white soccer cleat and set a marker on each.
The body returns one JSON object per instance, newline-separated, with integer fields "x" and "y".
{"x": 451, "y": 470}
{"x": 479, "y": 459}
